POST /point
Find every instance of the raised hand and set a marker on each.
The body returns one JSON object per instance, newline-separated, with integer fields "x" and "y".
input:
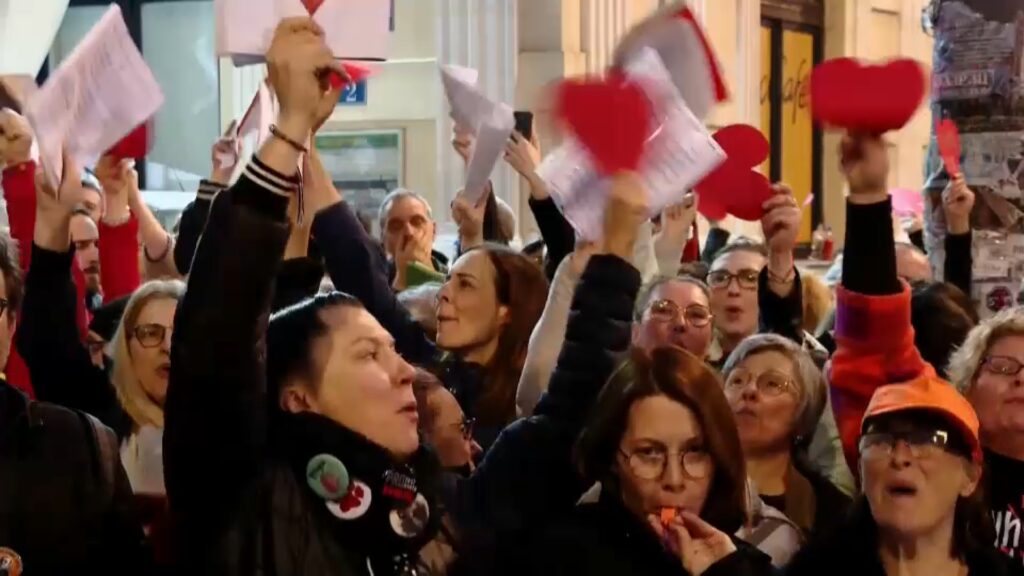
{"x": 298, "y": 66}
{"x": 698, "y": 544}
{"x": 55, "y": 206}
{"x": 865, "y": 163}
{"x": 957, "y": 203}
{"x": 677, "y": 219}
{"x": 470, "y": 219}
{"x": 462, "y": 142}
{"x": 781, "y": 220}
{"x": 224, "y": 155}
{"x": 15, "y": 138}
{"x": 626, "y": 210}
{"x": 116, "y": 177}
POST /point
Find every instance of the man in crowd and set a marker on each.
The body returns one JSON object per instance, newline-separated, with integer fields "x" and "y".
{"x": 86, "y": 237}
{"x": 407, "y": 232}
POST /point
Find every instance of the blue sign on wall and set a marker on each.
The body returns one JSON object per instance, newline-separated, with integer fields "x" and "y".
{"x": 353, "y": 94}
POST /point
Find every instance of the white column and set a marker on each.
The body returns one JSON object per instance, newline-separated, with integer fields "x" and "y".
{"x": 602, "y": 24}
{"x": 480, "y": 34}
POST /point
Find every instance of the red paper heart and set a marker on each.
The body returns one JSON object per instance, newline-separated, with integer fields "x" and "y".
{"x": 712, "y": 207}
{"x": 734, "y": 186}
{"x": 356, "y": 73}
{"x": 312, "y": 5}
{"x": 751, "y": 192}
{"x": 743, "y": 144}
{"x": 866, "y": 98}
{"x": 948, "y": 138}
{"x": 136, "y": 144}
{"x": 610, "y": 117}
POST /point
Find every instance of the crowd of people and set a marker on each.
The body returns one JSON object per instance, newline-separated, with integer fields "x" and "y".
{"x": 269, "y": 390}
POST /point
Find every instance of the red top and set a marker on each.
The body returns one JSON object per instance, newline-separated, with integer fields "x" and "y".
{"x": 119, "y": 259}
{"x": 874, "y": 347}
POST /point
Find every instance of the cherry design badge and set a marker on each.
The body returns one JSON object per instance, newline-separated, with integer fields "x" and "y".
{"x": 354, "y": 504}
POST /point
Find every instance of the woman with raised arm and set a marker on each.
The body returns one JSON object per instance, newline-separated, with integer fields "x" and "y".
{"x": 309, "y": 422}
{"x": 911, "y": 436}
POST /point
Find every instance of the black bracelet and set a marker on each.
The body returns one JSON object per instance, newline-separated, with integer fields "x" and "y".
{"x": 167, "y": 249}
{"x": 287, "y": 139}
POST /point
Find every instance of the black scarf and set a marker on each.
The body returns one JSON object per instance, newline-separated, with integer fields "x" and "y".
{"x": 393, "y": 525}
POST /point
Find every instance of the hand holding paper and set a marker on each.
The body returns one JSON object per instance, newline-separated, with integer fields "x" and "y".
{"x": 626, "y": 210}
{"x": 957, "y": 203}
{"x": 100, "y": 93}
{"x": 872, "y": 99}
{"x": 54, "y": 206}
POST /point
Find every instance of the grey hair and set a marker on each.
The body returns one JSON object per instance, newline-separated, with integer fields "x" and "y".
{"x": 421, "y": 302}
{"x": 966, "y": 360}
{"x": 506, "y": 219}
{"x": 813, "y": 395}
{"x": 392, "y": 197}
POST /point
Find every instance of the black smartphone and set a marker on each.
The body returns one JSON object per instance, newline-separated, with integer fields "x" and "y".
{"x": 524, "y": 124}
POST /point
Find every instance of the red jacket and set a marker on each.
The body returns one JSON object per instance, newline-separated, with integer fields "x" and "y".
{"x": 875, "y": 346}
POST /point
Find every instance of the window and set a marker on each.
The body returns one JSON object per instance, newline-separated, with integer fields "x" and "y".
{"x": 177, "y": 41}
{"x": 790, "y": 46}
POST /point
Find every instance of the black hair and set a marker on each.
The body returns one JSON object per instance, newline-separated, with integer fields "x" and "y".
{"x": 742, "y": 244}
{"x": 942, "y": 316}
{"x": 291, "y": 335}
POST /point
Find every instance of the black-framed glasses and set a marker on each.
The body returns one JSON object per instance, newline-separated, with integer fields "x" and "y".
{"x": 150, "y": 335}
{"x": 693, "y": 315}
{"x": 923, "y": 444}
{"x": 745, "y": 279}
{"x": 770, "y": 383}
{"x": 1002, "y": 365}
{"x": 649, "y": 463}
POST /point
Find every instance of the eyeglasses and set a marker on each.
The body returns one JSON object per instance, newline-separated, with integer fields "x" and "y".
{"x": 649, "y": 463}
{"x": 151, "y": 335}
{"x": 745, "y": 279}
{"x": 923, "y": 444}
{"x": 1002, "y": 365}
{"x": 771, "y": 383}
{"x": 693, "y": 315}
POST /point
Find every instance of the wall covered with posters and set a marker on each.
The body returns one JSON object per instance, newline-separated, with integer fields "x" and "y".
{"x": 978, "y": 81}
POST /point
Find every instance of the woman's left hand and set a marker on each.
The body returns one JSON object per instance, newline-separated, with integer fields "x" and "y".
{"x": 698, "y": 544}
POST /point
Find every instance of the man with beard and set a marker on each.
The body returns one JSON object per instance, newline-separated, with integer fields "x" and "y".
{"x": 86, "y": 235}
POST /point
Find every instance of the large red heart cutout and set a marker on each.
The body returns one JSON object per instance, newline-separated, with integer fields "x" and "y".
{"x": 735, "y": 187}
{"x": 873, "y": 99}
{"x": 610, "y": 117}
{"x": 136, "y": 144}
{"x": 948, "y": 138}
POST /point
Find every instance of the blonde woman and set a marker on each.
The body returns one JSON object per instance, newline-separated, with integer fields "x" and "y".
{"x": 141, "y": 352}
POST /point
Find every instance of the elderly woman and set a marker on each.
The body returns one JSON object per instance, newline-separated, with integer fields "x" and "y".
{"x": 911, "y": 436}
{"x": 988, "y": 371}
{"x": 778, "y": 397}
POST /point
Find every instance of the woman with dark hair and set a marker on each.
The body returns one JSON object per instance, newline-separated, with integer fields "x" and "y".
{"x": 662, "y": 442}
{"x": 912, "y": 437}
{"x": 942, "y": 316}
{"x": 486, "y": 310}
{"x": 292, "y": 447}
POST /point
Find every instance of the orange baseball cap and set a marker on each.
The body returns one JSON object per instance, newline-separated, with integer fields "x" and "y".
{"x": 932, "y": 394}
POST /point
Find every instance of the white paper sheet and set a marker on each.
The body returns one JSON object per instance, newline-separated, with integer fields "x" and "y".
{"x": 259, "y": 115}
{"x": 491, "y": 138}
{"x": 100, "y": 93}
{"x": 27, "y": 30}
{"x": 677, "y": 155}
{"x": 469, "y": 107}
{"x": 354, "y": 29}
